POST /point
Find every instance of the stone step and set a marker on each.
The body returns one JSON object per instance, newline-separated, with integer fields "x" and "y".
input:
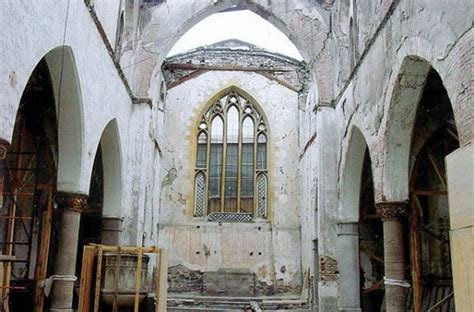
{"x": 234, "y": 304}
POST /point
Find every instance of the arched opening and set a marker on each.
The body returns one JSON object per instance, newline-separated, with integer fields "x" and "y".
{"x": 158, "y": 41}
{"x": 28, "y": 222}
{"x": 243, "y": 25}
{"x": 68, "y": 99}
{"x": 435, "y": 136}
{"x": 101, "y": 223}
{"x": 421, "y": 133}
{"x": 360, "y": 233}
{"x": 370, "y": 243}
{"x": 46, "y": 137}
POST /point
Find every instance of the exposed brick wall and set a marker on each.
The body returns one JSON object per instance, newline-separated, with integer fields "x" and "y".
{"x": 328, "y": 269}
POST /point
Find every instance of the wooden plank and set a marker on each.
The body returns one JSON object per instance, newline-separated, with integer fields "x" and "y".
{"x": 162, "y": 282}
{"x": 116, "y": 280}
{"x": 97, "y": 278}
{"x": 42, "y": 263}
{"x": 440, "y": 303}
{"x": 415, "y": 255}
{"x": 438, "y": 170}
{"x": 138, "y": 280}
{"x": 127, "y": 249}
{"x": 86, "y": 279}
{"x": 8, "y": 265}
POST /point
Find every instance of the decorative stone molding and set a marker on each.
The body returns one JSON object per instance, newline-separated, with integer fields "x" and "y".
{"x": 70, "y": 201}
{"x": 4, "y": 147}
{"x": 391, "y": 210}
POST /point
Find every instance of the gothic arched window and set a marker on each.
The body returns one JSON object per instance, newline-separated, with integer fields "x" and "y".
{"x": 231, "y": 162}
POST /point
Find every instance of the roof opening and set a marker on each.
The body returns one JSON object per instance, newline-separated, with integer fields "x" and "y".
{"x": 242, "y": 25}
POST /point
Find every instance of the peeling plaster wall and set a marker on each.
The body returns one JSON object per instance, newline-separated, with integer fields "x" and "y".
{"x": 33, "y": 29}
{"x": 208, "y": 246}
{"x": 419, "y": 28}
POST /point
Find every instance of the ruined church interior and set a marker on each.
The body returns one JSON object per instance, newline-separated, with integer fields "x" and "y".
{"x": 152, "y": 160}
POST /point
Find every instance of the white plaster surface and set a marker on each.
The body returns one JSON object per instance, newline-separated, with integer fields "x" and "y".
{"x": 230, "y": 244}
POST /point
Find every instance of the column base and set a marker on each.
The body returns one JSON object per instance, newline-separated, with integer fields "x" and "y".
{"x": 60, "y": 310}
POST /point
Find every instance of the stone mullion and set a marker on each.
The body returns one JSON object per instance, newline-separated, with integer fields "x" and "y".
{"x": 391, "y": 214}
{"x": 65, "y": 266}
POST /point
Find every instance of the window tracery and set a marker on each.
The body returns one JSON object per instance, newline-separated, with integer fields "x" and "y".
{"x": 231, "y": 181}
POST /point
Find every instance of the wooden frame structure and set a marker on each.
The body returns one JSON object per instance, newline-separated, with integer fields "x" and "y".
{"x": 93, "y": 254}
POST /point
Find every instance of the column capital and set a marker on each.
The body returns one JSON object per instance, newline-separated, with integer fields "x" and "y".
{"x": 4, "y": 147}
{"x": 391, "y": 210}
{"x": 71, "y": 201}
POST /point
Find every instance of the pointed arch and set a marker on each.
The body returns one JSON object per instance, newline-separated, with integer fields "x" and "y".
{"x": 69, "y": 109}
{"x": 312, "y": 17}
{"x": 233, "y": 122}
{"x": 112, "y": 166}
{"x": 352, "y": 175}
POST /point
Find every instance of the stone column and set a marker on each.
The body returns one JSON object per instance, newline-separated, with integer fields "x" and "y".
{"x": 65, "y": 266}
{"x": 111, "y": 230}
{"x": 349, "y": 279}
{"x": 391, "y": 214}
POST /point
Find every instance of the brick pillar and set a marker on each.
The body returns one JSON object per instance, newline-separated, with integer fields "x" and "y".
{"x": 111, "y": 231}
{"x": 349, "y": 271}
{"x": 391, "y": 214}
{"x": 65, "y": 266}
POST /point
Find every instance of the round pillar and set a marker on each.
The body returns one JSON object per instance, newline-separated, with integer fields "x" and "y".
{"x": 391, "y": 214}
{"x": 111, "y": 231}
{"x": 349, "y": 271}
{"x": 65, "y": 266}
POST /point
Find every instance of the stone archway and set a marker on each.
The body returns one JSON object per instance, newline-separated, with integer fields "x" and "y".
{"x": 44, "y": 157}
{"x": 359, "y": 232}
{"x": 299, "y": 22}
{"x": 402, "y": 140}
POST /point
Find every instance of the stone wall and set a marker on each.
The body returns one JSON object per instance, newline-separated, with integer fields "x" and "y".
{"x": 269, "y": 248}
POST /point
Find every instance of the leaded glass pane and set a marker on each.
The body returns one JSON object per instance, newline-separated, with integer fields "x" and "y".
{"x": 262, "y": 152}
{"x": 201, "y": 151}
{"x": 200, "y": 195}
{"x": 215, "y": 164}
{"x": 232, "y": 161}
{"x": 247, "y": 172}
{"x": 262, "y": 196}
{"x": 232, "y": 125}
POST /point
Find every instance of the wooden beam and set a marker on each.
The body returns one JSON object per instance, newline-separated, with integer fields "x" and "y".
{"x": 415, "y": 254}
{"x": 187, "y": 66}
{"x": 162, "y": 282}
{"x": 438, "y": 170}
{"x": 86, "y": 279}
{"x": 97, "y": 279}
{"x": 42, "y": 263}
{"x": 138, "y": 280}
